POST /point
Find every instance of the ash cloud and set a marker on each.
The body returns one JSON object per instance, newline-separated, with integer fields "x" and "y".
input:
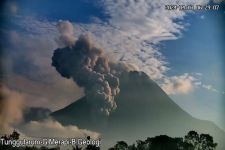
{"x": 11, "y": 109}
{"x": 88, "y": 66}
{"x": 66, "y": 32}
{"x": 35, "y": 114}
{"x": 54, "y": 129}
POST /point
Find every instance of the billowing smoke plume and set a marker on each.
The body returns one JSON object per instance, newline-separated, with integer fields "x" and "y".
{"x": 89, "y": 68}
{"x": 66, "y": 32}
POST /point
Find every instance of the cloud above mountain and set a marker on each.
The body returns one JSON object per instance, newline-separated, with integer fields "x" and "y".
{"x": 134, "y": 30}
{"x": 182, "y": 84}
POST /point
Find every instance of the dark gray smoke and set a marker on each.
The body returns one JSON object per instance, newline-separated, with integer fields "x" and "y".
{"x": 35, "y": 114}
{"x": 89, "y": 68}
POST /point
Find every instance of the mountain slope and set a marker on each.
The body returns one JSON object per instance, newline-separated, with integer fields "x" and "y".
{"x": 143, "y": 110}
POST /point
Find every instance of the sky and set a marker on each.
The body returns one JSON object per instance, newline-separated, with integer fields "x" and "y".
{"x": 183, "y": 51}
{"x": 201, "y": 50}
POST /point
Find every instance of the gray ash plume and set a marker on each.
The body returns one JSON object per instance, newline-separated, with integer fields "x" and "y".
{"x": 89, "y": 68}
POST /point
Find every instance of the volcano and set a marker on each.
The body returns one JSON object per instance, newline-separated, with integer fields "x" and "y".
{"x": 143, "y": 110}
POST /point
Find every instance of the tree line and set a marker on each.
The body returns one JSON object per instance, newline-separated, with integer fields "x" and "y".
{"x": 191, "y": 141}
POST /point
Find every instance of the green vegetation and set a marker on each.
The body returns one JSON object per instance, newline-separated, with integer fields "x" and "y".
{"x": 191, "y": 141}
